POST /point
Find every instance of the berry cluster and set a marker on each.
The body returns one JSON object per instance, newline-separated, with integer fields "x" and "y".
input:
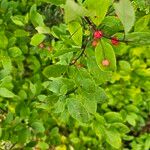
{"x": 98, "y": 35}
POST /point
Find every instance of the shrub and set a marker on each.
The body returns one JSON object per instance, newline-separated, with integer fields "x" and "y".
{"x": 74, "y": 74}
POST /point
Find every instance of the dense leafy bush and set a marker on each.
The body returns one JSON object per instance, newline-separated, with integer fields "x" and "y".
{"x": 75, "y": 74}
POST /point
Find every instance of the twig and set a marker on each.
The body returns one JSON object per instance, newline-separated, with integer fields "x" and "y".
{"x": 94, "y": 28}
{"x": 82, "y": 52}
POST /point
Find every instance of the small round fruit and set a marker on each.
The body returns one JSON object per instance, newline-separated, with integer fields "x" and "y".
{"x": 41, "y": 45}
{"x": 105, "y": 62}
{"x": 98, "y": 34}
{"x": 94, "y": 43}
{"x": 114, "y": 41}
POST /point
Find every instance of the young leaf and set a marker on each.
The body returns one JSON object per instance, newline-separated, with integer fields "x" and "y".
{"x": 6, "y": 93}
{"x": 37, "y": 39}
{"x": 113, "y": 138}
{"x": 77, "y": 110}
{"x": 76, "y": 32}
{"x": 97, "y": 9}
{"x": 126, "y": 14}
{"x": 104, "y": 51}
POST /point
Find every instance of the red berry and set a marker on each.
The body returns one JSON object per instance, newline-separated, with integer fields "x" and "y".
{"x": 94, "y": 43}
{"x": 98, "y": 34}
{"x": 114, "y": 41}
{"x": 105, "y": 62}
{"x": 41, "y": 45}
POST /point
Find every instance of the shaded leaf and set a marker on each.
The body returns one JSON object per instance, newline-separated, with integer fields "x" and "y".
{"x": 126, "y": 14}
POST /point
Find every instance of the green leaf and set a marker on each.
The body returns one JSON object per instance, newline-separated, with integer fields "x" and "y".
{"x": 120, "y": 127}
{"x": 147, "y": 143}
{"x": 18, "y": 20}
{"x": 131, "y": 119}
{"x": 35, "y": 17}
{"x": 43, "y": 145}
{"x": 3, "y": 40}
{"x": 98, "y": 128}
{"x": 76, "y": 32}
{"x": 99, "y": 75}
{"x": 37, "y": 39}
{"x": 25, "y": 136}
{"x": 112, "y": 25}
{"x": 43, "y": 30}
{"x": 138, "y": 38}
{"x": 144, "y": 21}
{"x": 6, "y": 62}
{"x": 54, "y": 70}
{"x": 59, "y": 107}
{"x": 14, "y": 51}
{"x": 38, "y": 127}
{"x": 6, "y": 93}
{"x": 73, "y": 11}
{"x": 125, "y": 66}
{"x": 33, "y": 88}
{"x": 126, "y": 14}
{"x": 90, "y": 105}
{"x": 113, "y": 117}
{"x": 113, "y": 138}
{"x": 104, "y": 51}
{"x": 132, "y": 108}
{"x": 77, "y": 110}
{"x": 97, "y": 9}
{"x": 21, "y": 33}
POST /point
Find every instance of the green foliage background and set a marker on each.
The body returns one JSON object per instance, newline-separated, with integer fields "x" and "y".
{"x": 54, "y": 92}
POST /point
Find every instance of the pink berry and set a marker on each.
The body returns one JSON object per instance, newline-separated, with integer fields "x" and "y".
{"x": 98, "y": 34}
{"x": 114, "y": 41}
{"x": 105, "y": 62}
{"x": 94, "y": 43}
{"x": 41, "y": 45}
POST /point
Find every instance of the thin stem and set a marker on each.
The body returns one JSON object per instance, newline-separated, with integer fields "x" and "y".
{"x": 82, "y": 52}
{"x": 94, "y": 28}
